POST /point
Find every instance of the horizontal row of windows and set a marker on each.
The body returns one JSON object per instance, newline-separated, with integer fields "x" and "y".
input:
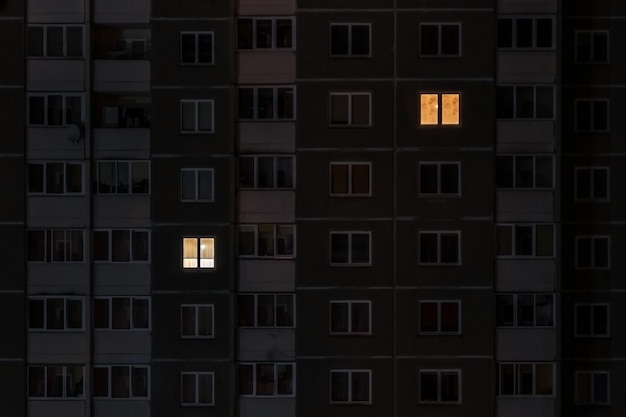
{"x": 278, "y": 241}
{"x": 277, "y": 379}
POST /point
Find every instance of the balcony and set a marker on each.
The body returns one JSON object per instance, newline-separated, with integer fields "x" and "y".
{"x": 524, "y": 407}
{"x": 274, "y": 67}
{"x": 267, "y": 275}
{"x": 113, "y": 346}
{"x": 46, "y": 11}
{"x": 58, "y": 347}
{"x": 48, "y": 143}
{"x": 55, "y": 74}
{"x": 58, "y": 277}
{"x": 122, "y": 75}
{"x": 122, "y": 278}
{"x": 121, "y": 11}
{"x": 525, "y": 205}
{"x": 527, "y": 67}
{"x": 267, "y": 344}
{"x": 57, "y": 407}
{"x": 526, "y": 344}
{"x": 267, "y": 137}
{"x": 267, "y": 7}
{"x": 267, "y": 206}
{"x": 525, "y": 274}
{"x": 526, "y": 6}
{"x": 269, "y": 406}
{"x": 525, "y": 136}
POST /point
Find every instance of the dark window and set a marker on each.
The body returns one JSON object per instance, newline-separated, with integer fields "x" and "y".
{"x": 350, "y": 40}
{"x": 592, "y": 115}
{"x": 440, "y": 39}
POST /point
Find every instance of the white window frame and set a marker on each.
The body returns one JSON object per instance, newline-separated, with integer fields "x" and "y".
{"x": 440, "y": 107}
{"x": 349, "y": 390}
{"x": 592, "y": 35}
{"x": 514, "y": 158}
{"x": 44, "y": 318}
{"x": 64, "y": 122}
{"x": 44, "y": 164}
{"x": 197, "y": 198}
{"x": 535, "y": 101}
{"x": 440, "y": 26}
{"x": 534, "y": 46}
{"x": 350, "y": 122}
{"x": 591, "y": 375}
{"x": 350, "y": 233}
{"x": 131, "y": 164}
{"x": 196, "y": 313}
{"x": 130, "y": 382}
{"x": 274, "y": 20}
{"x": 49, "y": 249}
{"x": 275, "y": 394}
{"x": 592, "y": 102}
{"x": 131, "y": 260}
{"x": 350, "y": 331}
{"x": 439, "y": 165}
{"x": 593, "y": 238}
{"x": 212, "y": 262}
{"x": 516, "y": 375}
{"x": 45, "y": 41}
{"x": 515, "y": 324}
{"x": 197, "y": 403}
{"x": 350, "y": 179}
{"x": 246, "y": 227}
{"x": 592, "y": 333}
{"x": 275, "y": 97}
{"x": 439, "y": 233}
{"x": 196, "y": 130}
{"x": 65, "y": 378}
{"x": 533, "y": 226}
{"x": 439, "y": 304}
{"x": 350, "y": 54}
{"x": 196, "y": 35}
{"x": 256, "y": 311}
{"x": 439, "y": 373}
{"x": 130, "y": 313}
{"x": 592, "y": 172}
{"x": 275, "y": 158}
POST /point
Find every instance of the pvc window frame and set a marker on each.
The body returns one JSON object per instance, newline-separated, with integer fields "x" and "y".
{"x": 350, "y": 331}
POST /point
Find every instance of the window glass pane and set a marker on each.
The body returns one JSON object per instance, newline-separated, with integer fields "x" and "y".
{"x": 36, "y": 245}
{"x": 505, "y": 33}
{"x": 54, "y": 381}
{"x": 100, "y": 382}
{"x": 59, "y": 246}
{"x": 429, "y": 39}
{"x": 524, "y": 33}
{"x": 246, "y": 383}
{"x": 35, "y": 314}
{"x": 600, "y": 183}
{"x": 449, "y": 248}
{"x": 246, "y": 172}
{"x": 544, "y": 310}
{"x": 265, "y": 172}
{"x": 360, "y": 109}
{"x": 284, "y": 385}
{"x": 284, "y": 310}
{"x": 339, "y": 248}
{"x": 339, "y": 382}
{"x": 600, "y": 319}
{"x": 73, "y": 110}
{"x": 360, "y": 40}
{"x": 141, "y": 313}
{"x": 544, "y": 172}
{"x": 583, "y": 46}
{"x": 120, "y": 313}
{"x": 120, "y": 382}
{"x": 265, "y": 310}
{"x": 283, "y": 33}
{"x": 74, "y": 381}
{"x": 265, "y": 240}
{"x": 545, "y": 377}
{"x": 449, "y": 178}
{"x": 74, "y": 41}
{"x": 545, "y": 102}
{"x": 205, "y": 320}
{"x": 360, "y": 386}
{"x": 264, "y": 379}
{"x": 339, "y": 109}
{"x": 505, "y": 99}
{"x": 504, "y": 235}
{"x": 246, "y": 241}
{"x": 140, "y": 382}
{"x": 525, "y": 379}
{"x": 205, "y": 184}
{"x": 245, "y": 310}
{"x": 140, "y": 177}
{"x": 188, "y": 48}
{"x": 205, "y": 388}
{"x": 54, "y": 177}
{"x": 141, "y": 245}
{"x": 544, "y": 33}
{"x": 244, "y": 33}
{"x": 429, "y": 317}
{"x": 428, "y": 386}
{"x": 74, "y": 314}
{"x": 339, "y": 178}
{"x": 36, "y": 381}
{"x": 600, "y": 47}
{"x": 523, "y": 240}
{"x": 54, "y": 41}
{"x": 36, "y": 112}
{"x": 360, "y": 179}
{"x": 284, "y": 172}
{"x": 188, "y": 116}
{"x": 35, "y": 41}
{"x": 107, "y": 177}
{"x": 339, "y": 317}
{"x": 207, "y": 252}
{"x": 101, "y": 313}
{"x": 428, "y": 248}
{"x": 524, "y": 103}
{"x": 600, "y": 388}
{"x": 284, "y": 240}
{"x": 188, "y": 321}
{"x": 525, "y": 310}
{"x": 428, "y": 178}
{"x": 339, "y": 40}
{"x": 265, "y": 100}
{"x": 504, "y": 171}
{"x": 360, "y": 317}
{"x": 74, "y": 178}
{"x": 360, "y": 248}
{"x": 263, "y": 33}
{"x": 77, "y": 246}
{"x": 190, "y": 252}
{"x": 505, "y": 310}
{"x": 583, "y": 388}
{"x": 429, "y": 109}
{"x": 123, "y": 177}
{"x": 205, "y": 48}
{"x": 600, "y": 115}
{"x": 600, "y": 253}
{"x": 450, "y": 317}
{"x": 449, "y": 386}
{"x": 35, "y": 178}
{"x": 545, "y": 236}
{"x": 120, "y": 240}
{"x": 246, "y": 103}
{"x": 507, "y": 379}
{"x": 205, "y": 116}
{"x": 450, "y": 39}
{"x": 188, "y": 388}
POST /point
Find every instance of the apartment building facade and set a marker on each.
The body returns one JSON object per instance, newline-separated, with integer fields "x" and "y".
{"x": 311, "y": 208}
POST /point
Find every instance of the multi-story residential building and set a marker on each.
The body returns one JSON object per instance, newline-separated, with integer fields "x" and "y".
{"x": 298, "y": 208}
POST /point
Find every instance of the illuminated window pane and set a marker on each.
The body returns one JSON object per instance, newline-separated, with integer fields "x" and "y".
{"x": 450, "y": 113}
{"x": 190, "y": 252}
{"x": 429, "y": 114}
{"x": 207, "y": 254}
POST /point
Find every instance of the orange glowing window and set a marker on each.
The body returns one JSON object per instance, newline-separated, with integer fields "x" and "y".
{"x": 440, "y": 109}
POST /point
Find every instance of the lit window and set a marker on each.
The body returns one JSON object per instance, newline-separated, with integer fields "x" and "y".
{"x": 526, "y": 33}
{"x": 592, "y": 115}
{"x": 350, "y": 248}
{"x": 198, "y": 252}
{"x": 525, "y": 310}
{"x": 526, "y": 379}
{"x": 53, "y": 381}
{"x": 440, "y": 109}
{"x": 350, "y": 40}
{"x": 55, "y": 178}
{"x": 440, "y": 386}
{"x": 350, "y": 317}
{"x": 121, "y": 313}
{"x": 267, "y": 240}
{"x": 121, "y": 245}
{"x": 439, "y": 178}
{"x": 121, "y": 381}
{"x": 267, "y": 103}
{"x": 350, "y": 109}
{"x": 196, "y": 48}
{"x": 55, "y": 109}
{"x": 525, "y": 240}
{"x": 592, "y": 252}
{"x": 55, "y": 41}
{"x": 55, "y": 245}
{"x": 525, "y": 102}
{"x": 123, "y": 177}
{"x": 196, "y": 116}
{"x": 440, "y": 39}
{"x": 266, "y": 171}
{"x": 440, "y": 317}
{"x": 196, "y": 185}
{"x": 196, "y": 321}
{"x": 267, "y": 379}
{"x": 265, "y": 310}
{"x": 525, "y": 171}
{"x": 55, "y": 313}
{"x": 592, "y": 388}
{"x": 350, "y": 179}
{"x": 265, "y": 33}
{"x": 440, "y": 248}
{"x": 197, "y": 389}
{"x": 592, "y": 47}
{"x": 592, "y": 320}
{"x": 592, "y": 183}
{"x": 353, "y": 386}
